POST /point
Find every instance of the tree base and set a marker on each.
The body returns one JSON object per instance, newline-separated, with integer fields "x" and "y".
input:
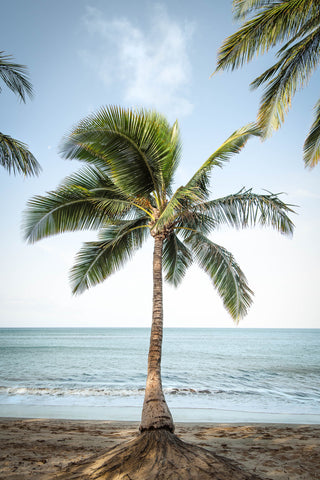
{"x": 156, "y": 454}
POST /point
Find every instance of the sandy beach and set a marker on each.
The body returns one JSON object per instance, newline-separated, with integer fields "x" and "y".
{"x": 40, "y": 449}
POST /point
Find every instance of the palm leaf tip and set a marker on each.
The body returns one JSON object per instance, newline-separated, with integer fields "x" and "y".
{"x": 176, "y": 259}
{"x": 225, "y": 273}
{"x": 247, "y": 209}
{"x": 311, "y": 148}
{"x": 16, "y": 158}
{"x": 275, "y": 213}
{"x": 15, "y": 76}
{"x": 98, "y": 260}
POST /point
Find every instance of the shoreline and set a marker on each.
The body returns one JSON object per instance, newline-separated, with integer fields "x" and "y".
{"x": 41, "y": 448}
{"x": 133, "y": 413}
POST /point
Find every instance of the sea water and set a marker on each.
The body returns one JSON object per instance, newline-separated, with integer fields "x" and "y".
{"x": 224, "y": 375}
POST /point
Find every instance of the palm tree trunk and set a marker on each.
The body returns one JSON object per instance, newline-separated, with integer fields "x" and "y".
{"x": 155, "y": 412}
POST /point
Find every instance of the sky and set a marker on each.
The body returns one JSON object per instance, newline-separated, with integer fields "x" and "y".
{"x": 84, "y": 54}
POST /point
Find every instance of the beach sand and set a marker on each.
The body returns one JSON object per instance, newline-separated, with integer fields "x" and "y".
{"x": 39, "y": 449}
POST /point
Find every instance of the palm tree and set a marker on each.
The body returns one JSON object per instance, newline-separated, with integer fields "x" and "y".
{"x": 125, "y": 191}
{"x": 14, "y": 155}
{"x": 294, "y": 25}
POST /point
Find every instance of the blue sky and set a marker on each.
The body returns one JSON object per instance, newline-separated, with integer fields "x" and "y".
{"x": 83, "y": 54}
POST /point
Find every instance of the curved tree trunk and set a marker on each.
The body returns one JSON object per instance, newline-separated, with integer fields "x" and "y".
{"x": 155, "y": 412}
{"x": 156, "y": 453}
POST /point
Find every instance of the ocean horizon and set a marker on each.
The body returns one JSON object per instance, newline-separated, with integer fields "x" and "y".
{"x": 230, "y": 375}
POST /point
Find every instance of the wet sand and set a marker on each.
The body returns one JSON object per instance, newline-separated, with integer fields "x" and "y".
{"x": 39, "y": 449}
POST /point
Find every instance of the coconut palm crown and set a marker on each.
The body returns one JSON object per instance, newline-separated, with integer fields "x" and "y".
{"x": 294, "y": 25}
{"x": 14, "y": 154}
{"x": 125, "y": 190}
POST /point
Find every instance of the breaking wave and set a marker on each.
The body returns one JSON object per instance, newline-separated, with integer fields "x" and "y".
{"x": 97, "y": 392}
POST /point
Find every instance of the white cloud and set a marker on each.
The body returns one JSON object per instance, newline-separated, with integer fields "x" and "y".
{"x": 306, "y": 193}
{"x": 152, "y": 64}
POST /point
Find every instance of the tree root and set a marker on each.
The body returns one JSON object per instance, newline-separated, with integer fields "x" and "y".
{"x": 156, "y": 454}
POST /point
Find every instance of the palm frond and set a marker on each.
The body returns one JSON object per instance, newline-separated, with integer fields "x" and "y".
{"x": 70, "y": 208}
{"x": 233, "y": 145}
{"x": 225, "y": 273}
{"x": 247, "y": 209}
{"x": 168, "y": 151}
{"x": 305, "y": 29}
{"x": 275, "y": 23}
{"x": 132, "y": 146}
{"x": 180, "y": 202}
{"x": 242, "y": 8}
{"x": 194, "y": 219}
{"x": 15, "y": 157}
{"x": 111, "y": 152}
{"x": 171, "y": 160}
{"x": 176, "y": 259}
{"x": 97, "y": 182}
{"x": 15, "y": 77}
{"x": 90, "y": 177}
{"x": 98, "y": 260}
{"x": 290, "y": 73}
{"x": 312, "y": 143}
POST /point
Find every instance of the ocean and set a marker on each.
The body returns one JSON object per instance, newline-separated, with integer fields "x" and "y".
{"x": 219, "y": 375}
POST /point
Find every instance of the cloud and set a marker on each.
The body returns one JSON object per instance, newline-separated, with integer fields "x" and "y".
{"x": 306, "y": 194}
{"x": 150, "y": 65}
